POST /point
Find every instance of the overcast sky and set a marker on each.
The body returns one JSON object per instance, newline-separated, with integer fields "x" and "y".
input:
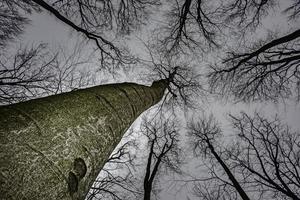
{"x": 45, "y": 28}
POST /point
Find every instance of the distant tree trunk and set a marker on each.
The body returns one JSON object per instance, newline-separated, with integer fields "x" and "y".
{"x": 231, "y": 177}
{"x": 54, "y": 147}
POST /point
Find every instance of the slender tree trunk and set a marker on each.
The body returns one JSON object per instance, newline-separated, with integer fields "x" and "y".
{"x": 147, "y": 193}
{"x": 147, "y": 184}
{"x": 54, "y": 147}
{"x": 231, "y": 177}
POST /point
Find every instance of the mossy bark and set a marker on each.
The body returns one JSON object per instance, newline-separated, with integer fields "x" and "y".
{"x": 54, "y": 147}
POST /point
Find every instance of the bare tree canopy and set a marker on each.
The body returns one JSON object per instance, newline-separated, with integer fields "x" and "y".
{"x": 35, "y": 71}
{"x": 111, "y": 184}
{"x": 99, "y": 16}
{"x": 190, "y": 23}
{"x": 90, "y": 18}
{"x": 12, "y": 22}
{"x": 246, "y": 13}
{"x": 30, "y": 73}
{"x": 202, "y": 24}
{"x": 163, "y": 156}
{"x": 268, "y": 72}
{"x": 263, "y": 161}
{"x": 60, "y": 126}
{"x": 93, "y": 18}
{"x": 267, "y": 156}
{"x": 204, "y": 133}
{"x": 164, "y": 151}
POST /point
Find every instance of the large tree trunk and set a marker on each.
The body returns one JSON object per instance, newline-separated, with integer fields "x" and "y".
{"x": 54, "y": 147}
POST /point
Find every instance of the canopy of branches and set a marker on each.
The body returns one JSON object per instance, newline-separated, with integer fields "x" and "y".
{"x": 240, "y": 51}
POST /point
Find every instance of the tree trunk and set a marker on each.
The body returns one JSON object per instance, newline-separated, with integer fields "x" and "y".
{"x": 231, "y": 177}
{"x": 147, "y": 193}
{"x": 54, "y": 147}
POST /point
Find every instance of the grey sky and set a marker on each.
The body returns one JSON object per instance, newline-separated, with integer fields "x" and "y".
{"x": 45, "y": 28}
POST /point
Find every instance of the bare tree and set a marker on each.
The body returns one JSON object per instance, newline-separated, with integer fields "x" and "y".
{"x": 100, "y": 16}
{"x": 267, "y": 156}
{"x": 79, "y": 128}
{"x": 246, "y": 14}
{"x": 263, "y": 161}
{"x": 203, "y": 134}
{"x": 211, "y": 189}
{"x": 26, "y": 74}
{"x": 12, "y": 22}
{"x": 184, "y": 83}
{"x": 192, "y": 23}
{"x": 269, "y": 71}
{"x": 200, "y": 23}
{"x": 164, "y": 152}
{"x": 266, "y": 71}
{"x": 93, "y": 18}
{"x": 25, "y": 5}
{"x": 35, "y": 72}
{"x": 120, "y": 180}
{"x": 116, "y": 180}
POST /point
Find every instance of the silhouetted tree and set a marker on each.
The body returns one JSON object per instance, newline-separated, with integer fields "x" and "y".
{"x": 100, "y": 16}
{"x": 264, "y": 70}
{"x": 185, "y": 84}
{"x": 202, "y": 24}
{"x": 61, "y": 142}
{"x": 162, "y": 157}
{"x": 263, "y": 161}
{"x": 191, "y": 24}
{"x": 36, "y": 72}
{"x": 269, "y": 71}
{"x": 163, "y": 152}
{"x": 12, "y": 22}
{"x": 245, "y": 14}
{"x": 93, "y": 18}
{"x": 116, "y": 180}
{"x": 266, "y": 156}
{"x": 203, "y": 134}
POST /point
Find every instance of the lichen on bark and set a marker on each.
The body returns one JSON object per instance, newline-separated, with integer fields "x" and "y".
{"x": 54, "y": 147}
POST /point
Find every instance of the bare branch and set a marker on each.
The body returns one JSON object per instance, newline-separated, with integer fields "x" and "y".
{"x": 163, "y": 151}
{"x": 268, "y": 73}
{"x": 246, "y": 13}
{"x": 12, "y": 22}
{"x": 107, "y": 49}
{"x": 192, "y": 25}
{"x": 204, "y": 133}
{"x": 36, "y": 72}
{"x": 267, "y": 157}
{"x": 184, "y": 84}
{"x": 293, "y": 10}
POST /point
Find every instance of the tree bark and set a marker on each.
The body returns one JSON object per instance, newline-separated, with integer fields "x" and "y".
{"x": 54, "y": 147}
